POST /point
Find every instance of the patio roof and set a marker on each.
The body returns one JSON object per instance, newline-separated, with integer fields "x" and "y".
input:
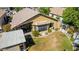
{"x": 11, "y": 38}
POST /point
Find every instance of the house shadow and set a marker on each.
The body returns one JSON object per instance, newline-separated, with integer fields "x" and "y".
{"x": 29, "y": 41}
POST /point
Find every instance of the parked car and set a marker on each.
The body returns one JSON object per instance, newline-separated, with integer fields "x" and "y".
{"x": 76, "y": 43}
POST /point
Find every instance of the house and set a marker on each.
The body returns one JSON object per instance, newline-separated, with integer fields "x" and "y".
{"x": 12, "y": 41}
{"x": 28, "y": 20}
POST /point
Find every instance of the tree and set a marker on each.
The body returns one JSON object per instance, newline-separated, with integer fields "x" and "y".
{"x": 71, "y": 16}
{"x": 18, "y": 8}
{"x": 35, "y": 33}
{"x": 44, "y": 10}
{"x": 12, "y": 8}
{"x": 6, "y": 27}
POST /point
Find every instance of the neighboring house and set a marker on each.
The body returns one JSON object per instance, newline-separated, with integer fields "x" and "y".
{"x": 12, "y": 41}
{"x": 28, "y": 19}
{"x": 57, "y": 11}
{"x": 2, "y": 16}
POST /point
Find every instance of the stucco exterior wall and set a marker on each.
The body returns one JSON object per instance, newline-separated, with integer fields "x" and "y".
{"x": 40, "y": 19}
{"x": 57, "y": 25}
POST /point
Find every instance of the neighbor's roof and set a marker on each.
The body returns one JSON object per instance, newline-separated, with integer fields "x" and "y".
{"x": 57, "y": 24}
{"x": 11, "y": 38}
{"x": 22, "y": 16}
{"x": 57, "y": 10}
{"x": 2, "y": 12}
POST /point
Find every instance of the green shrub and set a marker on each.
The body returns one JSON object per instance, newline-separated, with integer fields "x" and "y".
{"x": 57, "y": 29}
{"x": 70, "y": 31}
{"x": 57, "y": 17}
{"x": 49, "y": 30}
{"x": 9, "y": 18}
{"x": 6, "y": 27}
{"x": 72, "y": 39}
{"x": 18, "y": 8}
{"x": 35, "y": 33}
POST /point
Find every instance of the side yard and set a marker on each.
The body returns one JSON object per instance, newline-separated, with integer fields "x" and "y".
{"x": 56, "y": 41}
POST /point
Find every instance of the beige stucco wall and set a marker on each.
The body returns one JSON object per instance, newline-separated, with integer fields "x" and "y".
{"x": 57, "y": 25}
{"x": 40, "y": 19}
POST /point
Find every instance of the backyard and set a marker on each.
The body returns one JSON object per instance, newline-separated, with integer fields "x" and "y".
{"x": 55, "y": 41}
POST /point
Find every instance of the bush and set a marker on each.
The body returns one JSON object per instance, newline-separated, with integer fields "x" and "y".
{"x": 49, "y": 30}
{"x": 6, "y": 27}
{"x": 57, "y": 17}
{"x": 35, "y": 33}
{"x": 72, "y": 39}
{"x": 70, "y": 30}
{"x": 18, "y": 8}
{"x": 57, "y": 29}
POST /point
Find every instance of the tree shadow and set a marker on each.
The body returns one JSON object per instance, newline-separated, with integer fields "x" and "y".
{"x": 29, "y": 41}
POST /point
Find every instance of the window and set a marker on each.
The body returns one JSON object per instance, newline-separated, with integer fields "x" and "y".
{"x": 42, "y": 28}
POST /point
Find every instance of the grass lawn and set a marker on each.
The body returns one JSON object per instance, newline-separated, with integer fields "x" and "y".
{"x": 72, "y": 39}
{"x": 55, "y": 41}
